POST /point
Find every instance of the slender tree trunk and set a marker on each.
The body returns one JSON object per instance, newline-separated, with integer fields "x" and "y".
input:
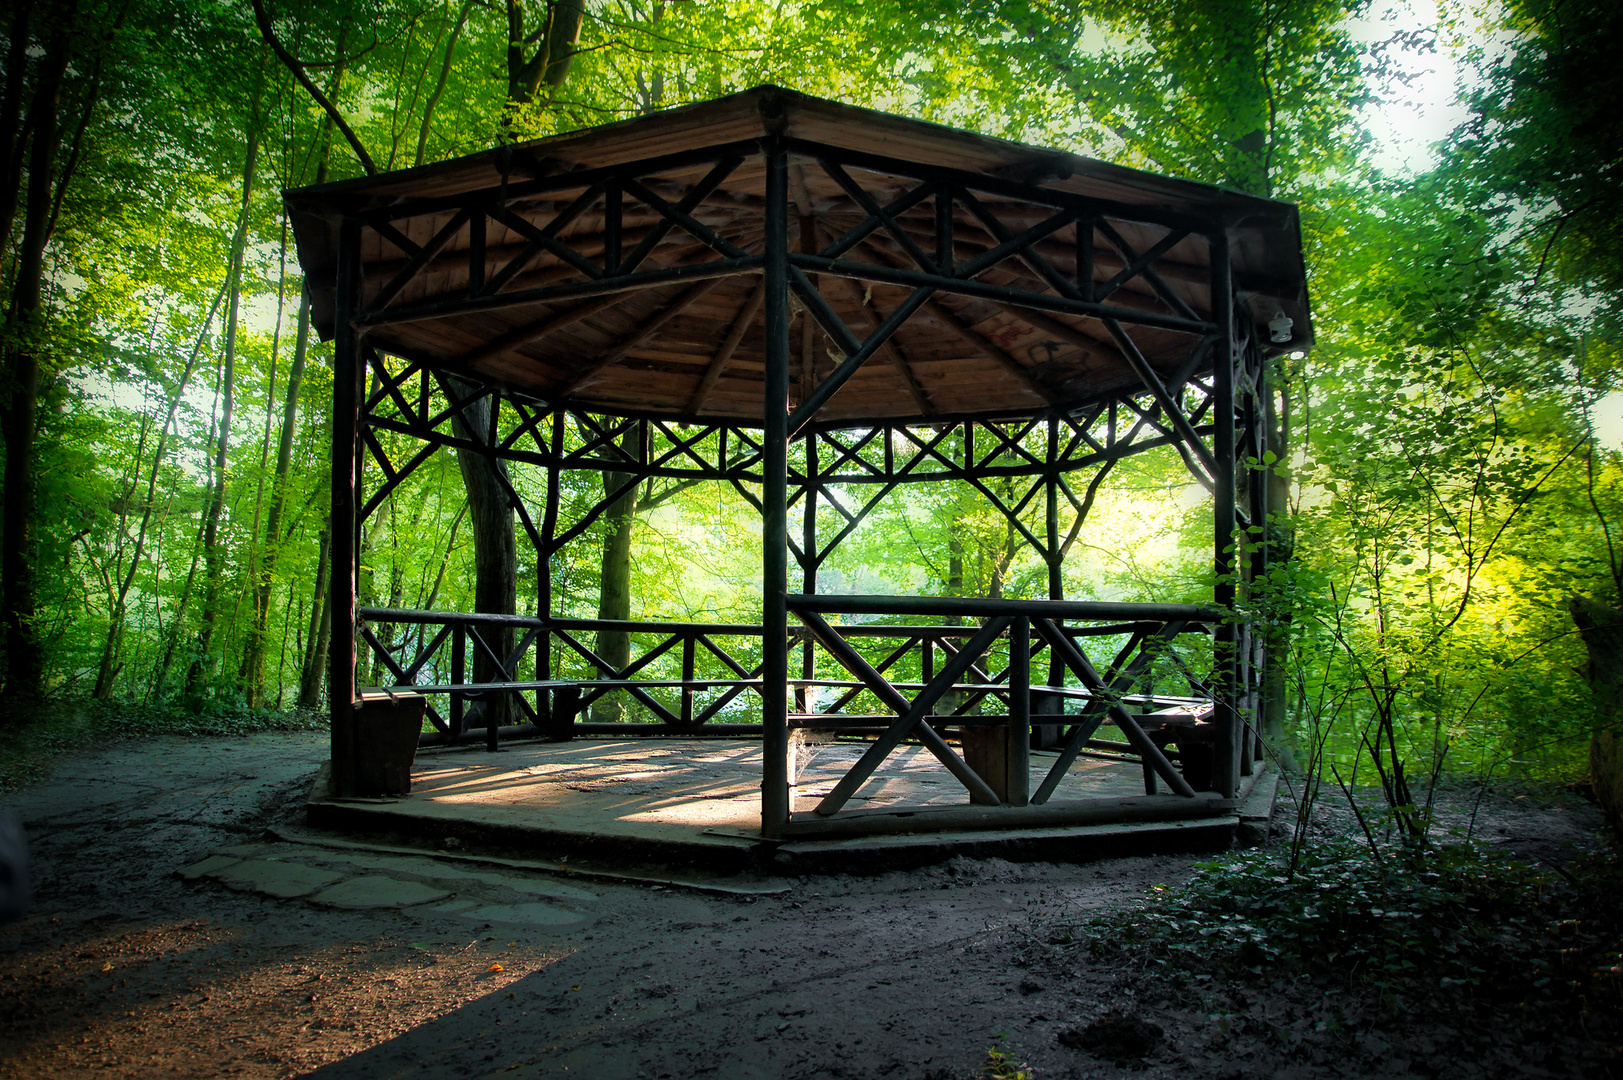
{"x": 1602, "y": 630}
{"x": 108, "y": 667}
{"x": 1281, "y": 540}
{"x": 315, "y": 657}
{"x": 253, "y": 664}
{"x": 19, "y": 386}
{"x": 115, "y": 634}
{"x": 439, "y": 87}
{"x": 178, "y": 627}
{"x": 495, "y": 553}
{"x": 614, "y": 594}
{"x": 213, "y": 556}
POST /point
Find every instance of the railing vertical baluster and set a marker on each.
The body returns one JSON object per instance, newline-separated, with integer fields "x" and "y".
{"x": 689, "y": 639}
{"x": 1018, "y": 741}
{"x": 459, "y": 649}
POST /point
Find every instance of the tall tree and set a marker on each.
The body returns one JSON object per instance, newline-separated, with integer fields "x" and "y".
{"x": 214, "y": 554}
{"x": 25, "y": 335}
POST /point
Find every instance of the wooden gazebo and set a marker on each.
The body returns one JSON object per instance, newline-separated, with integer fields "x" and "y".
{"x": 792, "y": 296}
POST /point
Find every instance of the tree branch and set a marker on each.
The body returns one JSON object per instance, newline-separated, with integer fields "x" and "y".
{"x": 297, "y": 69}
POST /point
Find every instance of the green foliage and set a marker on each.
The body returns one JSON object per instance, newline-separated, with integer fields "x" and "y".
{"x": 1001, "y": 1065}
{"x": 1448, "y": 483}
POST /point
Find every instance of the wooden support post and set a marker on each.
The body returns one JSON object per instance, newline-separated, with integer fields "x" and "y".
{"x": 775, "y": 497}
{"x": 1230, "y": 725}
{"x": 1048, "y": 736}
{"x": 544, "y": 699}
{"x": 1017, "y": 769}
{"x": 806, "y": 696}
{"x": 348, "y": 373}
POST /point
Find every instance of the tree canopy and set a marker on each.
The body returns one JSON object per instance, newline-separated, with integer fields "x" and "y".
{"x": 1449, "y": 453}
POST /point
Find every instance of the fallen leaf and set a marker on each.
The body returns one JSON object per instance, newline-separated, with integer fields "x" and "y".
{"x": 495, "y": 967}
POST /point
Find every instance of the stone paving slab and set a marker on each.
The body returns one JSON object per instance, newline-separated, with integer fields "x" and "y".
{"x": 378, "y": 891}
{"x": 283, "y": 880}
{"x": 208, "y": 867}
{"x": 530, "y": 915}
{"x": 419, "y": 884}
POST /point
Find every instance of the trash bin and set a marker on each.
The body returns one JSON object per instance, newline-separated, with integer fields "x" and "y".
{"x": 386, "y": 730}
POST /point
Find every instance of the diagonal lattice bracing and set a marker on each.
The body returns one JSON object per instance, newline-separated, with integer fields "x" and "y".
{"x": 677, "y": 215}
{"x": 405, "y": 676}
{"x": 912, "y": 714}
{"x": 1107, "y": 704}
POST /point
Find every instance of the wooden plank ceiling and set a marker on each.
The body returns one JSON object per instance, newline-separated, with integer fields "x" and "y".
{"x": 694, "y": 351}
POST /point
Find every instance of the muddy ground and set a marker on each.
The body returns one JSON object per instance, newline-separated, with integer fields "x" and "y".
{"x": 272, "y": 959}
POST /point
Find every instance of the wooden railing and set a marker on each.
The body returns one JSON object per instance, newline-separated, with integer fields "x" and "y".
{"x": 994, "y": 767}
{"x": 980, "y": 673}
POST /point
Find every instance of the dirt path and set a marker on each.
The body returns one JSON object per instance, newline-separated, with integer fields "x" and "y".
{"x": 273, "y": 959}
{"x": 125, "y": 968}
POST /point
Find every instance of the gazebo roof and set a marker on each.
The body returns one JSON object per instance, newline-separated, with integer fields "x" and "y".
{"x": 515, "y": 266}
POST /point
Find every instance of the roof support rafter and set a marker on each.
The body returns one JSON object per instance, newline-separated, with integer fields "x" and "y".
{"x": 729, "y": 345}
{"x": 682, "y": 302}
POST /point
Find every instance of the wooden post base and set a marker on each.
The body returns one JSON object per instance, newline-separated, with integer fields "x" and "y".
{"x": 1001, "y": 756}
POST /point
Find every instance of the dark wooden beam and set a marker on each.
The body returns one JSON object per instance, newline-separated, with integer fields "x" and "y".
{"x": 729, "y": 346}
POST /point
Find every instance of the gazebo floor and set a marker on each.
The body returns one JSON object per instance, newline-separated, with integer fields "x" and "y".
{"x": 679, "y": 801}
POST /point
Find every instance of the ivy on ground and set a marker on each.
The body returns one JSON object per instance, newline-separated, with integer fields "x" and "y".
{"x": 1455, "y": 917}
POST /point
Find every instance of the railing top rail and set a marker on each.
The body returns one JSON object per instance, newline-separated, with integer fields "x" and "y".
{"x": 970, "y": 607}
{"x": 1133, "y": 616}
{"x": 435, "y": 618}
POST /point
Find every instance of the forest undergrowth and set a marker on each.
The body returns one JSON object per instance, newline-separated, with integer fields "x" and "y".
{"x": 52, "y": 729}
{"x": 1453, "y": 954}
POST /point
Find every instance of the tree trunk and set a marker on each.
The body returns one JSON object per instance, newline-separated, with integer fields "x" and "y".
{"x": 1602, "y": 631}
{"x": 614, "y": 591}
{"x": 495, "y": 554}
{"x": 11, "y": 123}
{"x": 213, "y": 556}
{"x": 554, "y": 53}
{"x": 253, "y": 660}
{"x": 19, "y": 389}
{"x": 315, "y": 656}
{"x": 1281, "y": 540}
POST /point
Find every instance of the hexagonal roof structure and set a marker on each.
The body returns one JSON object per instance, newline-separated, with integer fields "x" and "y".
{"x": 616, "y": 269}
